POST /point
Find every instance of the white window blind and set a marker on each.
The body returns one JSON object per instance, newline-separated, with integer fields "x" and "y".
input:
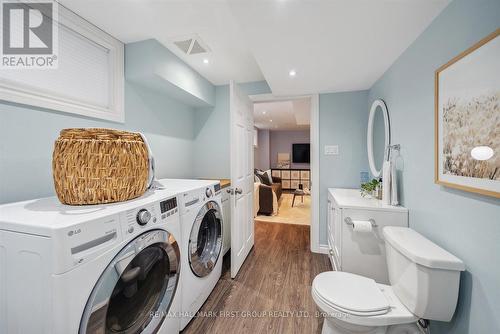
{"x": 88, "y": 80}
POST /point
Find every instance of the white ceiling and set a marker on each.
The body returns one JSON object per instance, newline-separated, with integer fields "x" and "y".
{"x": 334, "y": 45}
{"x": 166, "y": 20}
{"x": 283, "y": 115}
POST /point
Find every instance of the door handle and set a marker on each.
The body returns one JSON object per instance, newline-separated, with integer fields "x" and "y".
{"x": 238, "y": 191}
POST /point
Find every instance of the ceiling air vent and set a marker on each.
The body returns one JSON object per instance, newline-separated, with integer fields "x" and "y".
{"x": 191, "y": 45}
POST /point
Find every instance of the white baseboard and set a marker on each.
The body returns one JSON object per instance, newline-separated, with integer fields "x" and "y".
{"x": 322, "y": 249}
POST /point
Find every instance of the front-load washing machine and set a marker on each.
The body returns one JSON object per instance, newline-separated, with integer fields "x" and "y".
{"x": 111, "y": 268}
{"x": 201, "y": 232}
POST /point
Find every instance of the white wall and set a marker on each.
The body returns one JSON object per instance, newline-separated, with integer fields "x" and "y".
{"x": 261, "y": 153}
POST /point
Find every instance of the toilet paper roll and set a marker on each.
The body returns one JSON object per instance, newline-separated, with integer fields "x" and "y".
{"x": 361, "y": 226}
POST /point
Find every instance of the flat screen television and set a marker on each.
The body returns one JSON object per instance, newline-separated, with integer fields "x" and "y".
{"x": 301, "y": 153}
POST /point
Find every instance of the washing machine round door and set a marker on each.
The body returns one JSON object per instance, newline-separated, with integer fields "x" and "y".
{"x": 135, "y": 291}
{"x": 205, "y": 240}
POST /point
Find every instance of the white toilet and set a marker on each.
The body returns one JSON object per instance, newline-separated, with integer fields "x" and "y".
{"x": 424, "y": 284}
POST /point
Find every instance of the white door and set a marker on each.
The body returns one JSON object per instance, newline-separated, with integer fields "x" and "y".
{"x": 242, "y": 224}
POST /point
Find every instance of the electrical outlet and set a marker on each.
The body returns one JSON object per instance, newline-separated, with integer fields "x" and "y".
{"x": 331, "y": 149}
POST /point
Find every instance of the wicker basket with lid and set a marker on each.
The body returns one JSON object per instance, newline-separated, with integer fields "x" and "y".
{"x": 95, "y": 166}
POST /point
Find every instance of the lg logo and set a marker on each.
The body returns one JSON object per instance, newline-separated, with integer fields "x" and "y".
{"x": 29, "y": 34}
{"x": 73, "y": 232}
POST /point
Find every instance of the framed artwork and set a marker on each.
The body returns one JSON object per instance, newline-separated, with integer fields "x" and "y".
{"x": 283, "y": 160}
{"x": 467, "y": 119}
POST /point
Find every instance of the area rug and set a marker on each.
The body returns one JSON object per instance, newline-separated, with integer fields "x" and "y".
{"x": 300, "y": 213}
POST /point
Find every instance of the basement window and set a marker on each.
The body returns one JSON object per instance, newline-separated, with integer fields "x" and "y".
{"x": 88, "y": 81}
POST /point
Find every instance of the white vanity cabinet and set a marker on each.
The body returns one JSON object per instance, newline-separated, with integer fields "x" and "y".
{"x": 361, "y": 253}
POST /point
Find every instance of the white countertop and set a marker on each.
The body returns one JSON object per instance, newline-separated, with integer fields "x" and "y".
{"x": 351, "y": 198}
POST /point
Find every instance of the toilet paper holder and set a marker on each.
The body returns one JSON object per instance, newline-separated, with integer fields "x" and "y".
{"x": 348, "y": 221}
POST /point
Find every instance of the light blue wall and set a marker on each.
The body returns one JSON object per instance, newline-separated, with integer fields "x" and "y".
{"x": 211, "y": 143}
{"x": 161, "y": 95}
{"x": 465, "y": 224}
{"x": 343, "y": 118}
{"x": 27, "y": 138}
{"x": 152, "y": 65}
{"x": 212, "y": 137}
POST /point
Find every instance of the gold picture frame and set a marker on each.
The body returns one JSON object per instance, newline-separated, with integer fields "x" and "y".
{"x": 465, "y": 87}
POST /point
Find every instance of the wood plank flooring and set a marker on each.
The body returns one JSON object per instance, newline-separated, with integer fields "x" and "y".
{"x": 274, "y": 283}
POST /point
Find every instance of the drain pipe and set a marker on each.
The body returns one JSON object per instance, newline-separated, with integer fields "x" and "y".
{"x": 423, "y": 325}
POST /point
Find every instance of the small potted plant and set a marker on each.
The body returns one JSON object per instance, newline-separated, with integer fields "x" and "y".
{"x": 369, "y": 189}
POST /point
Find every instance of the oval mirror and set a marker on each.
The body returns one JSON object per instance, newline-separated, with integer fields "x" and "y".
{"x": 378, "y": 136}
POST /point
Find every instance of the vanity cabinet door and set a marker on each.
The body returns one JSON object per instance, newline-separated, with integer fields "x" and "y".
{"x": 334, "y": 238}
{"x": 337, "y": 227}
{"x": 331, "y": 252}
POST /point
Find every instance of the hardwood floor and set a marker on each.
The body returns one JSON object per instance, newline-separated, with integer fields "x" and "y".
{"x": 274, "y": 283}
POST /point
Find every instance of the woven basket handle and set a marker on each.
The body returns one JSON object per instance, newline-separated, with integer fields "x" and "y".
{"x": 151, "y": 175}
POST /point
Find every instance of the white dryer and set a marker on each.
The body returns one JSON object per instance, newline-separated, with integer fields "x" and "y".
{"x": 91, "y": 269}
{"x": 201, "y": 233}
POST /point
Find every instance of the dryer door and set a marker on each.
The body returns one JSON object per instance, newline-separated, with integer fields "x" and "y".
{"x": 134, "y": 293}
{"x": 205, "y": 240}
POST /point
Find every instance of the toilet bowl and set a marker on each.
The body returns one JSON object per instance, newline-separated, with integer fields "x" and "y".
{"x": 424, "y": 284}
{"x": 355, "y": 304}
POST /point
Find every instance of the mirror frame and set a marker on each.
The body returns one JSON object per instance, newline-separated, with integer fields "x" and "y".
{"x": 369, "y": 137}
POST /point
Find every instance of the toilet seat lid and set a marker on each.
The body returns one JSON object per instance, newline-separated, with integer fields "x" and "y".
{"x": 351, "y": 293}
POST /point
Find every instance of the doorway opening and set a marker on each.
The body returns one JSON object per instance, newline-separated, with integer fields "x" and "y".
{"x": 282, "y": 161}
{"x": 286, "y": 147}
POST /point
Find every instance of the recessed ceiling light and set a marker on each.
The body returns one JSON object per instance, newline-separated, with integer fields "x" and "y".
{"x": 264, "y": 112}
{"x": 482, "y": 153}
{"x": 292, "y": 73}
{"x": 271, "y": 120}
{"x": 205, "y": 61}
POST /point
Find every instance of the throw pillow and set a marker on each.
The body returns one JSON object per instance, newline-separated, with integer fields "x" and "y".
{"x": 269, "y": 176}
{"x": 265, "y": 179}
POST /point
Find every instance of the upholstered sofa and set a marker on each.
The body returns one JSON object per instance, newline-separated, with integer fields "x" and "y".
{"x": 267, "y": 202}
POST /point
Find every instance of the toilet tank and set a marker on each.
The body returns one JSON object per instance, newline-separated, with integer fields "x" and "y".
{"x": 424, "y": 276}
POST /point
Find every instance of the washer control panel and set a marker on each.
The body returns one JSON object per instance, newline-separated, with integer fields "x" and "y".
{"x": 143, "y": 217}
{"x": 146, "y": 216}
{"x": 168, "y": 205}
